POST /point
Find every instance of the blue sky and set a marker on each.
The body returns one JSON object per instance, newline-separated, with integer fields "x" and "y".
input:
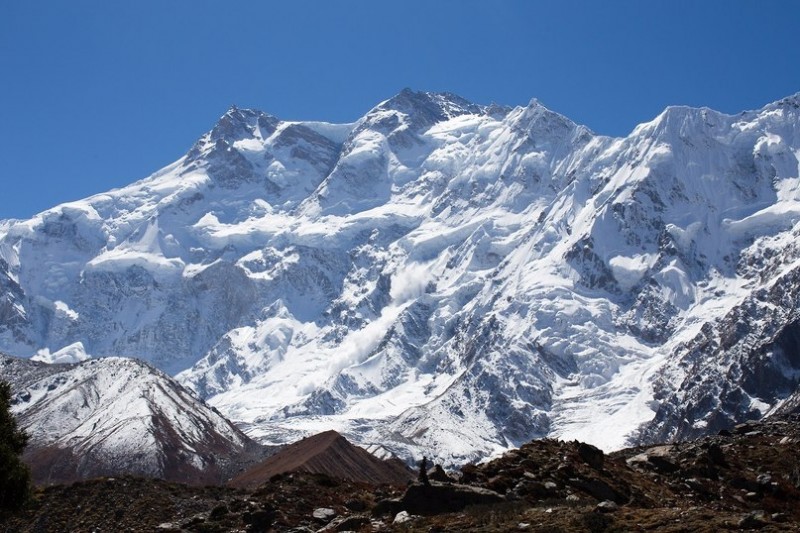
{"x": 97, "y": 94}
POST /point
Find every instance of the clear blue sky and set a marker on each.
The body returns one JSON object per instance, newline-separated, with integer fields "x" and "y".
{"x": 97, "y": 94}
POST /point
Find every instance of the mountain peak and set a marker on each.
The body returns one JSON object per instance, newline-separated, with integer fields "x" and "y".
{"x": 536, "y": 108}
{"x": 125, "y": 417}
{"x": 541, "y": 122}
{"x": 429, "y": 106}
{"x": 234, "y": 125}
{"x": 791, "y": 101}
{"x": 682, "y": 120}
{"x": 535, "y": 103}
{"x": 326, "y": 453}
{"x": 241, "y": 123}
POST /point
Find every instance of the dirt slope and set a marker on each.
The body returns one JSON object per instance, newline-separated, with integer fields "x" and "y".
{"x": 330, "y": 454}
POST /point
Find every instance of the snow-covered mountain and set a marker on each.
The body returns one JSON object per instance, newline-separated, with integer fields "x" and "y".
{"x": 440, "y": 277}
{"x": 116, "y": 416}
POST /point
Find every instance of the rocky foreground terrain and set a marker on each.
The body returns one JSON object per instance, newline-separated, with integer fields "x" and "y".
{"x": 745, "y": 478}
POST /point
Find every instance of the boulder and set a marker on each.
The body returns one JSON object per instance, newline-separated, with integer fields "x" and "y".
{"x": 607, "y": 506}
{"x": 259, "y": 520}
{"x": 715, "y": 454}
{"x": 356, "y": 505}
{"x": 323, "y": 514}
{"x": 752, "y": 521}
{"x": 348, "y": 523}
{"x": 598, "y": 489}
{"x": 437, "y": 473}
{"x": 591, "y": 455}
{"x": 438, "y": 498}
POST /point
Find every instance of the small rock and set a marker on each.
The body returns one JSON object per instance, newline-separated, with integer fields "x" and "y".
{"x": 764, "y": 479}
{"x": 218, "y": 512}
{"x": 402, "y": 517}
{"x": 746, "y": 485}
{"x": 356, "y": 505}
{"x": 387, "y": 507}
{"x": 591, "y": 455}
{"x": 566, "y": 470}
{"x": 351, "y": 523}
{"x": 437, "y": 473}
{"x": 194, "y": 520}
{"x": 469, "y": 473}
{"x": 662, "y": 465}
{"x": 779, "y": 517}
{"x": 324, "y": 514}
{"x": 236, "y": 505}
{"x": 500, "y": 484}
{"x": 573, "y": 498}
{"x": 597, "y": 489}
{"x": 259, "y": 520}
{"x": 751, "y": 521}
{"x": 550, "y": 485}
{"x": 607, "y": 506}
{"x": 715, "y": 454}
{"x": 531, "y": 489}
{"x": 794, "y": 477}
{"x": 696, "y": 485}
{"x": 523, "y": 526}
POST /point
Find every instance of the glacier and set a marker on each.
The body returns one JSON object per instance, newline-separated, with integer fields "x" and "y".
{"x": 440, "y": 277}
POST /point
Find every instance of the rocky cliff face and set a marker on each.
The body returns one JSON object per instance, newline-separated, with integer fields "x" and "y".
{"x": 441, "y": 277}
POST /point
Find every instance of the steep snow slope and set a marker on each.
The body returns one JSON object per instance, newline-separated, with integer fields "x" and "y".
{"x": 119, "y": 416}
{"x": 440, "y": 277}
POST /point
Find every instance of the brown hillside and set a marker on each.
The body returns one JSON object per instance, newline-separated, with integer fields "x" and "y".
{"x": 326, "y": 453}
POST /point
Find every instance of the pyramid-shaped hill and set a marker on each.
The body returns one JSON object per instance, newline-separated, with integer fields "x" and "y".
{"x": 326, "y": 453}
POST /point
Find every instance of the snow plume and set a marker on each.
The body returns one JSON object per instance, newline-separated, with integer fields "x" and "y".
{"x": 359, "y": 345}
{"x": 74, "y": 353}
{"x": 409, "y": 282}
